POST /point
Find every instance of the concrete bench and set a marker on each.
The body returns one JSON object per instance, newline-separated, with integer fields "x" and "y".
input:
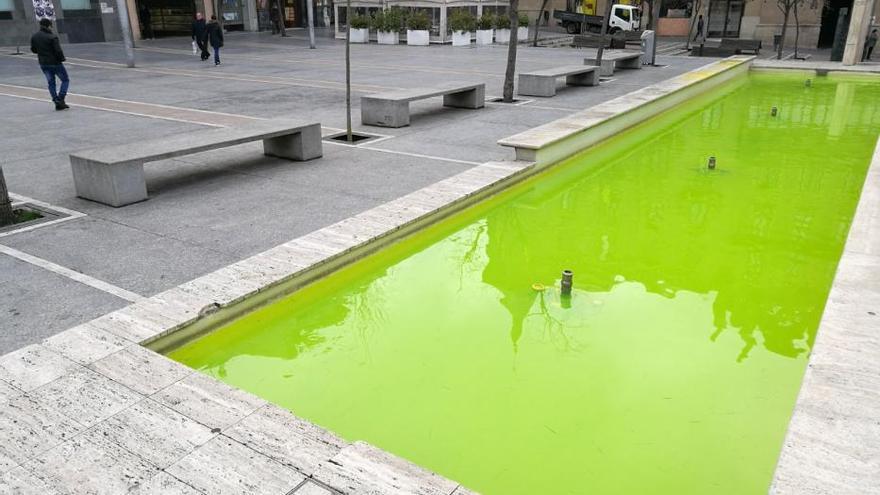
{"x": 612, "y": 60}
{"x": 391, "y": 109}
{"x": 543, "y": 82}
{"x": 739, "y": 45}
{"x": 115, "y": 175}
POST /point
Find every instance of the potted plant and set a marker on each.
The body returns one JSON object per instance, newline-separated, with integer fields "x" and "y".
{"x": 522, "y": 32}
{"x": 484, "y": 29}
{"x": 387, "y": 26}
{"x": 417, "y": 26}
{"x": 360, "y": 29}
{"x": 462, "y": 24}
{"x": 502, "y": 28}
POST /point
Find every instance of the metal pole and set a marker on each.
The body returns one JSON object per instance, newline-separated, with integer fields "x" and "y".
{"x": 604, "y": 38}
{"x": 348, "y": 70}
{"x": 125, "y": 24}
{"x": 655, "y": 20}
{"x": 310, "y": 14}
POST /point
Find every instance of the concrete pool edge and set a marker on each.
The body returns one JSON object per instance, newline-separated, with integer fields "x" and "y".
{"x": 565, "y": 137}
{"x": 833, "y": 440}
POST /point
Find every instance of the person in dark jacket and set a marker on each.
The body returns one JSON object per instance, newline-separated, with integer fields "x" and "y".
{"x": 215, "y": 38}
{"x": 699, "y": 28}
{"x": 147, "y": 21}
{"x": 200, "y": 35}
{"x": 46, "y": 45}
{"x": 275, "y": 19}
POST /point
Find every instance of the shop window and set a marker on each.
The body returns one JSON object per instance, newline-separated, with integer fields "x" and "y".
{"x": 76, "y": 5}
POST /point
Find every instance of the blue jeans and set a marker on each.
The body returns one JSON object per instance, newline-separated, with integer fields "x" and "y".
{"x": 216, "y": 54}
{"x": 51, "y": 71}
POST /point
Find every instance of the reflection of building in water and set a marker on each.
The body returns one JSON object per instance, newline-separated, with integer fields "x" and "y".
{"x": 752, "y": 232}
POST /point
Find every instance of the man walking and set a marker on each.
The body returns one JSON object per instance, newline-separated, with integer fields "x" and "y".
{"x": 215, "y": 37}
{"x": 699, "y": 28}
{"x": 869, "y": 44}
{"x": 48, "y": 49}
{"x": 200, "y": 35}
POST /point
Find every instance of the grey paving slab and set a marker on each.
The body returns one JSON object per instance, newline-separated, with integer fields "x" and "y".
{"x": 20, "y": 481}
{"x": 29, "y": 427}
{"x": 289, "y": 440}
{"x": 85, "y": 396}
{"x": 208, "y": 401}
{"x": 33, "y": 366}
{"x": 224, "y": 466}
{"x": 311, "y": 488}
{"x": 154, "y": 432}
{"x": 86, "y": 343}
{"x": 165, "y": 484}
{"x": 8, "y": 392}
{"x": 91, "y": 464}
{"x": 141, "y": 369}
{"x": 363, "y": 469}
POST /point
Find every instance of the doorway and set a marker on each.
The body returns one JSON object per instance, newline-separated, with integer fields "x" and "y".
{"x": 830, "y": 15}
{"x": 169, "y": 17}
{"x": 725, "y": 18}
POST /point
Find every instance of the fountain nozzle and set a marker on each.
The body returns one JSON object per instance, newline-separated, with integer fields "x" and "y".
{"x": 566, "y": 284}
{"x": 711, "y": 163}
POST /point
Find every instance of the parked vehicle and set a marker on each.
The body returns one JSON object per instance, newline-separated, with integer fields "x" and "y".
{"x": 623, "y": 18}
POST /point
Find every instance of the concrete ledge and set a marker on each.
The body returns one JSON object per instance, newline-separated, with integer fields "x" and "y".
{"x": 565, "y": 137}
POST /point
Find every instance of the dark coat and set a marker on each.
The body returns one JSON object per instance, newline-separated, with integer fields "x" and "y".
{"x": 47, "y": 47}
{"x": 200, "y": 30}
{"x": 215, "y": 34}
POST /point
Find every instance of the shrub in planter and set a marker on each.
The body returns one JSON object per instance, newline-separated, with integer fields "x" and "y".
{"x": 462, "y": 24}
{"x": 484, "y": 29}
{"x": 417, "y": 26}
{"x": 360, "y": 29}
{"x": 387, "y": 26}
{"x": 502, "y": 28}
{"x": 523, "y": 30}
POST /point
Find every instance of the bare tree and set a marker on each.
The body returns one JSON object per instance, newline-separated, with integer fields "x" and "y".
{"x": 604, "y": 37}
{"x": 281, "y": 18}
{"x": 786, "y": 7}
{"x": 513, "y": 15}
{"x": 538, "y": 22}
{"x": 6, "y": 215}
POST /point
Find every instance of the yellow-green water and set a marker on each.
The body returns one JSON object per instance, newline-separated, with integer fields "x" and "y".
{"x": 674, "y": 367}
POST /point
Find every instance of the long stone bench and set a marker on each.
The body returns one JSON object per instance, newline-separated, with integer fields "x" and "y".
{"x": 115, "y": 175}
{"x": 391, "y": 109}
{"x": 543, "y": 82}
{"x": 612, "y": 60}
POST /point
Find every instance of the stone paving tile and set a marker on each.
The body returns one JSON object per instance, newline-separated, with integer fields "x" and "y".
{"x": 224, "y": 466}
{"x": 85, "y": 343}
{"x": 208, "y": 401}
{"x": 312, "y": 488}
{"x": 175, "y": 304}
{"x": 463, "y": 491}
{"x": 134, "y": 324}
{"x": 86, "y": 396}
{"x": 20, "y": 481}
{"x": 141, "y": 369}
{"x": 165, "y": 484}
{"x": 8, "y": 392}
{"x": 28, "y": 427}
{"x": 287, "y": 439}
{"x": 155, "y": 432}
{"x": 91, "y": 464}
{"x": 363, "y": 469}
{"x": 33, "y": 366}
{"x": 223, "y": 287}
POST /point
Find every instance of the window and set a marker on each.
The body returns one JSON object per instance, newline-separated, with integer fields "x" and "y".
{"x": 622, "y": 13}
{"x": 5, "y": 6}
{"x": 75, "y": 4}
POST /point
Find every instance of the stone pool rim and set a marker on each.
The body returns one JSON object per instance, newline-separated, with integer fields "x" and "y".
{"x": 91, "y": 351}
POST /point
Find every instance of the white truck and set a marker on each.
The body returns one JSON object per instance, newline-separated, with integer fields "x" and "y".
{"x": 623, "y": 17}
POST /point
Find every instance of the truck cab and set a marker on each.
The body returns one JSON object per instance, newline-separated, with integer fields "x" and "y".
{"x": 580, "y": 16}
{"x": 624, "y": 18}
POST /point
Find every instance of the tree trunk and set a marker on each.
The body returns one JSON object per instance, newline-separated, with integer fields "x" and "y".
{"x": 281, "y": 18}
{"x": 785, "y": 14}
{"x": 604, "y": 38}
{"x": 797, "y": 29}
{"x": 348, "y": 71}
{"x": 310, "y": 17}
{"x": 513, "y": 15}
{"x": 538, "y": 22}
{"x": 6, "y": 216}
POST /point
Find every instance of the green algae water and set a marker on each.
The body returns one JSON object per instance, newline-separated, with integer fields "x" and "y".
{"x": 674, "y": 366}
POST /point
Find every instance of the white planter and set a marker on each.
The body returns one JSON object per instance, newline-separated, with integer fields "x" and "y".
{"x": 417, "y": 37}
{"x": 388, "y": 37}
{"x": 522, "y": 33}
{"x": 360, "y": 35}
{"x": 461, "y": 38}
{"x": 484, "y": 36}
{"x": 502, "y": 36}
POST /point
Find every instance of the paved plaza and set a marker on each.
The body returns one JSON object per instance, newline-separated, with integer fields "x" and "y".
{"x": 209, "y": 210}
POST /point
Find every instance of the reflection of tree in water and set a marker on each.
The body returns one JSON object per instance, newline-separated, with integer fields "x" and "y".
{"x": 764, "y": 234}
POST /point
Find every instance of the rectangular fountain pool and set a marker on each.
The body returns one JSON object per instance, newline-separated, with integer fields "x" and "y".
{"x": 674, "y": 366}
